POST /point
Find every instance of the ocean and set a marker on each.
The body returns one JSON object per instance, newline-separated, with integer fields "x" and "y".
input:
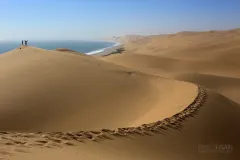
{"x": 85, "y": 47}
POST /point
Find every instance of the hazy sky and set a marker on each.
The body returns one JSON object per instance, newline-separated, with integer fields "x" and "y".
{"x": 94, "y": 19}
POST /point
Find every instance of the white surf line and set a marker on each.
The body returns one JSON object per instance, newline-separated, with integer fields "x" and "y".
{"x": 105, "y": 51}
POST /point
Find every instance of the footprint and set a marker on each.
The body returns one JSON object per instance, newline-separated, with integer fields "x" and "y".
{"x": 42, "y": 141}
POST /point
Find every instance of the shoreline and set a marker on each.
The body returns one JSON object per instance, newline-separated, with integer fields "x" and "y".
{"x": 106, "y": 50}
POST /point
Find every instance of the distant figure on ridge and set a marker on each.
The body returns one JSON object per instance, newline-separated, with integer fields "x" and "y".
{"x": 22, "y": 42}
{"x": 26, "y": 42}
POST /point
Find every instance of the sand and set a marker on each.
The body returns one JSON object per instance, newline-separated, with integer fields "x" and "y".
{"x": 67, "y": 50}
{"x": 207, "y": 58}
{"x": 162, "y": 98}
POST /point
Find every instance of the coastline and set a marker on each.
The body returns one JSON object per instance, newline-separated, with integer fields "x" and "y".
{"x": 78, "y": 46}
{"x": 105, "y": 51}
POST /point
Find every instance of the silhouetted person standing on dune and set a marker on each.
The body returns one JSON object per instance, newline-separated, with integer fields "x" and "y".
{"x": 26, "y": 42}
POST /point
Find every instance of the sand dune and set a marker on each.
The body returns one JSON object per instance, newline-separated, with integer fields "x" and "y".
{"x": 142, "y": 104}
{"x": 157, "y": 63}
{"x": 57, "y": 91}
{"x": 217, "y": 75}
{"x": 206, "y": 58}
{"x": 192, "y": 45}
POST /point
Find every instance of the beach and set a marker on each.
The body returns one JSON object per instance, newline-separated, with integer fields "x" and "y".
{"x": 107, "y": 50}
{"x": 172, "y": 97}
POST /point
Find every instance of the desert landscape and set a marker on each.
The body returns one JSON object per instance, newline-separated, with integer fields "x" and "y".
{"x": 170, "y": 97}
